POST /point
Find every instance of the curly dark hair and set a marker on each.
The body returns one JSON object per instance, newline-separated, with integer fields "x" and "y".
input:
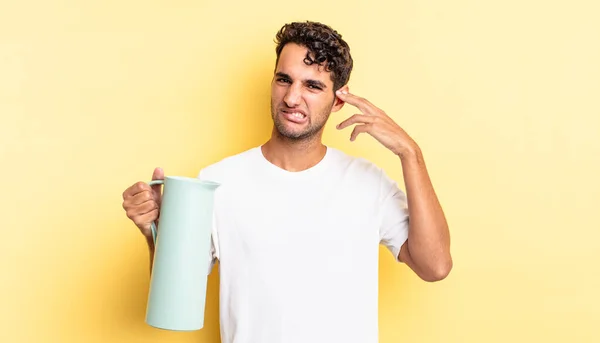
{"x": 325, "y": 47}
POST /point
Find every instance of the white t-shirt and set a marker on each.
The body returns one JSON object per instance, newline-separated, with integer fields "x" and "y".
{"x": 298, "y": 251}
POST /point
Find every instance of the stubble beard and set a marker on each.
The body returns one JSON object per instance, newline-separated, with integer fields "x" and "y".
{"x": 308, "y": 133}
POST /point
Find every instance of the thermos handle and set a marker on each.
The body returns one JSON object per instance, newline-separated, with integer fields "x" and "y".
{"x": 153, "y": 224}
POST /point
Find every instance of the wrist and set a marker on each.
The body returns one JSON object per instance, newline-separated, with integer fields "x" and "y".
{"x": 150, "y": 242}
{"x": 410, "y": 153}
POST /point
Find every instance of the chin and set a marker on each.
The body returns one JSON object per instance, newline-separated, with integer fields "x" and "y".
{"x": 290, "y": 134}
{"x": 295, "y": 135}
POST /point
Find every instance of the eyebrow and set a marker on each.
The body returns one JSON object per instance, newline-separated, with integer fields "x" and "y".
{"x": 310, "y": 82}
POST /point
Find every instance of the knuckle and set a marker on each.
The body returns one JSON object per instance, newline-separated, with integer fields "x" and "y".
{"x": 146, "y": 195}
{"x": 140, "y": 185}
{"x": 129, "y": 192}
{"x": 151, "y": 206}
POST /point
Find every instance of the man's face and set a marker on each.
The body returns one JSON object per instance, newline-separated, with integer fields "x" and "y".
{"x": 301, "y": 95}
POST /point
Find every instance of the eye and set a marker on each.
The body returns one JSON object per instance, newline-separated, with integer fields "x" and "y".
{"x": 314, "y": 87}
{"x": 284, "y": 80}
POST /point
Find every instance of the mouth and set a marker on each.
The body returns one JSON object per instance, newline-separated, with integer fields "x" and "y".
{"x": 294, "y": 116}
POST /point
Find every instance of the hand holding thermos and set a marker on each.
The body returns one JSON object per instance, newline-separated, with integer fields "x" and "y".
{"x": 180, "y": 245}
{"x": 142, "y": 203}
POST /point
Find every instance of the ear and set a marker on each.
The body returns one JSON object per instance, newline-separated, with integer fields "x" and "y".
{"x": 339, "y": 103}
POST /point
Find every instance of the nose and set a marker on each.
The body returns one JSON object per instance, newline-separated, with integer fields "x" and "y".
{"x": 292, "y": 96}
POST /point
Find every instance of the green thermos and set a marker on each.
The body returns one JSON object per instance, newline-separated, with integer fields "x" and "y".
{"x": 177, "y": 293}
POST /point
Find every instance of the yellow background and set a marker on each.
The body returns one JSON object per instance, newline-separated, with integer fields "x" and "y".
{"x": 503, "y": 98}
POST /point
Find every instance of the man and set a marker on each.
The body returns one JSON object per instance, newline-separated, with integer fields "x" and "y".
{"x": 298, "y": 224}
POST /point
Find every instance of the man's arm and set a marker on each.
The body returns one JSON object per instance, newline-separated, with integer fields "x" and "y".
{"x": 427, "y": 250}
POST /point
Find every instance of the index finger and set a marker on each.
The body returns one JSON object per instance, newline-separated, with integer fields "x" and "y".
{"x": 136, "y": 188}
{"x": 361, "y": 103}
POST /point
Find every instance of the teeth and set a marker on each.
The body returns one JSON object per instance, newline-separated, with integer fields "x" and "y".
{"x": 298, "y": 115}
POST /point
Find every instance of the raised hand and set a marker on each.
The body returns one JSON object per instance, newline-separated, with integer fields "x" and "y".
{"x": 377, "y": 123}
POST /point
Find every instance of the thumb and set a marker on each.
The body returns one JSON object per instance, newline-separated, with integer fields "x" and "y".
{"x": 158, "y": 174}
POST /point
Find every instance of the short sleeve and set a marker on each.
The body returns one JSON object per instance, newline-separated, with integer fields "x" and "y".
{"x": 393, "y": 231}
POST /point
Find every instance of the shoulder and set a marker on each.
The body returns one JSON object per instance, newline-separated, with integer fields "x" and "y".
{"x": 228, "y": 166}
{"x": 364, "y": 171}
{"x": 356, "y": 165}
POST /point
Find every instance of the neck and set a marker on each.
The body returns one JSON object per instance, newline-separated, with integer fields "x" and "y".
{"x": 293, "y": 155}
